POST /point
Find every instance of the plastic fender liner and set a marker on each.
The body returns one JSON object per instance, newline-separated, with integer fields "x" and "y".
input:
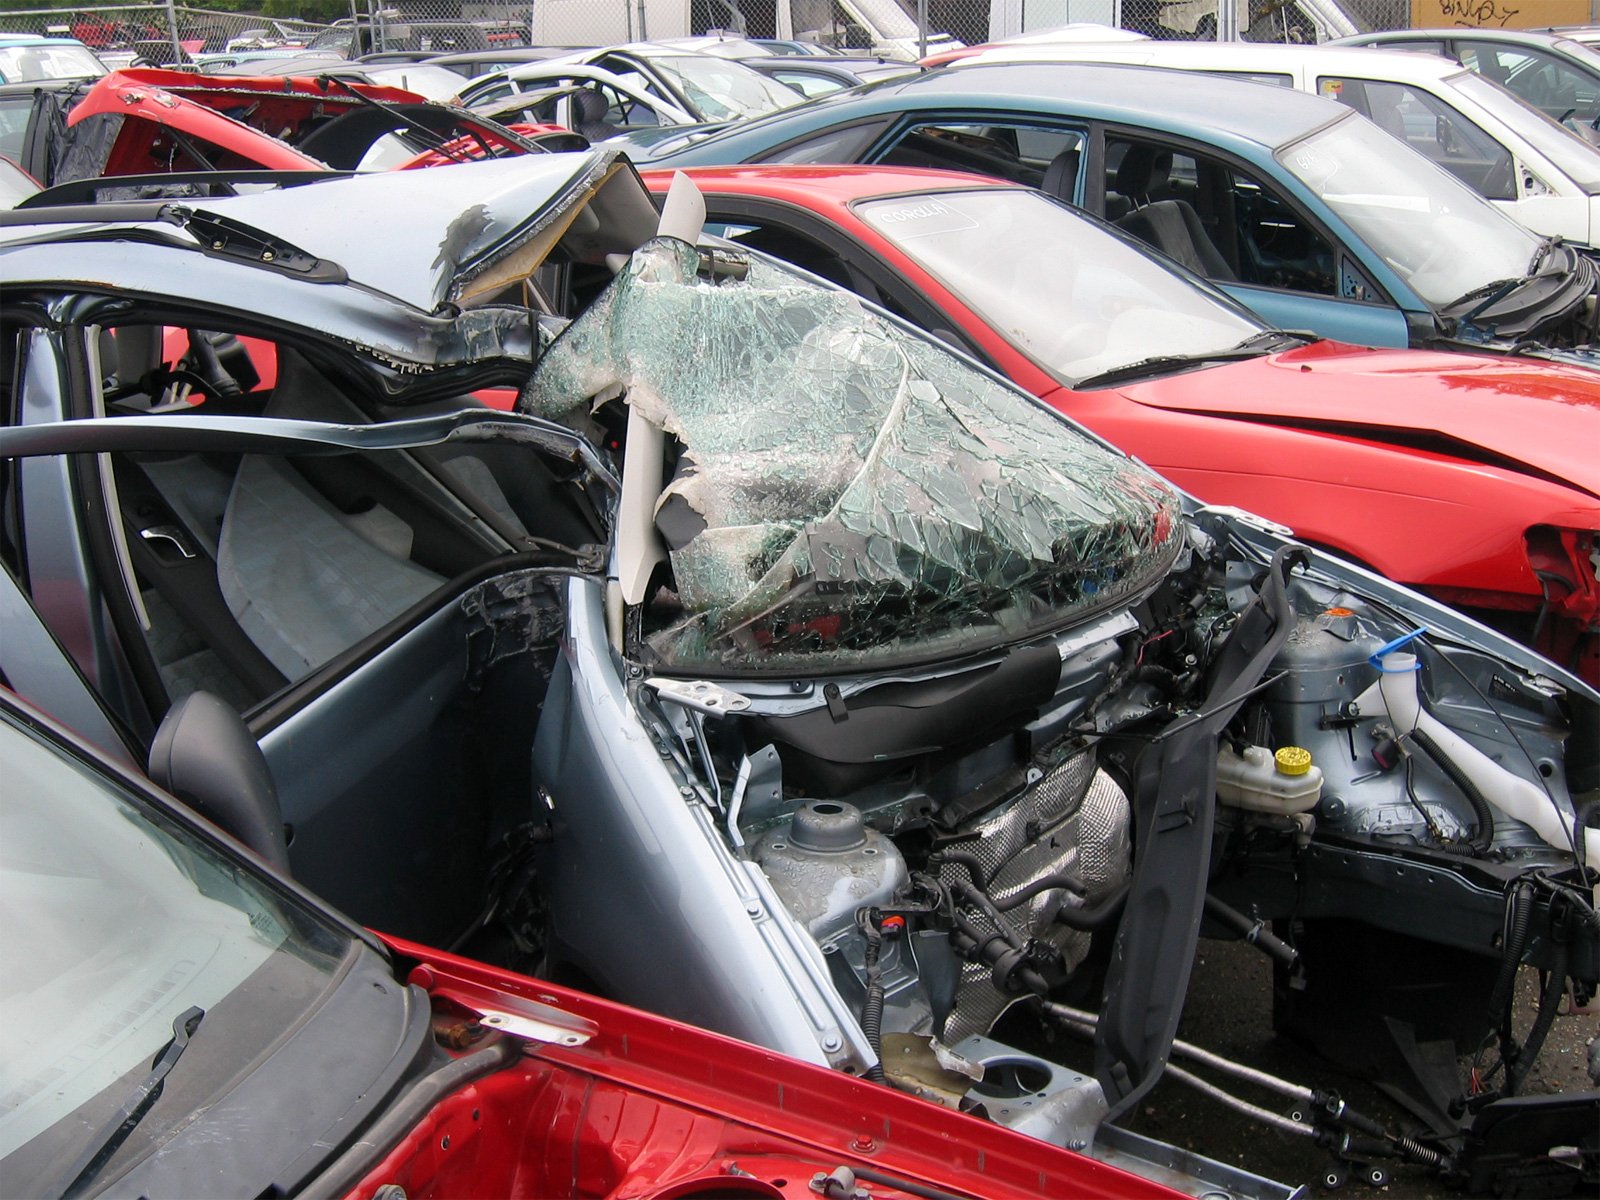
{"x": 1174, "y": 797}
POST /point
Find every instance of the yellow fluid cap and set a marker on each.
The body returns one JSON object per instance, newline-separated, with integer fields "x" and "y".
{"x": 1292, "y": 760}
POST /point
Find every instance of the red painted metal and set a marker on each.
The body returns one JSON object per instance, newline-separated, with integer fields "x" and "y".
{"x": 649, "y": 1109}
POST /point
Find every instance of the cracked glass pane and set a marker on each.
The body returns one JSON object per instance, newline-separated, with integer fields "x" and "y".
{"x": 846, "y": 493}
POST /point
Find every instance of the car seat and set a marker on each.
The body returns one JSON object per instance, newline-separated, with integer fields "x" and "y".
{"x": 589, "y": 109}
{"x": 1142, "y": 176}
{"x": 1143, "y": 184}
{"x": 1174, "y": 228}
{"x": 1061, "y": 176}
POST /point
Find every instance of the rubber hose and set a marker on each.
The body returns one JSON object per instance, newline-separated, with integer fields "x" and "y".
{"x": 1555, "y": 987}
{"x": 1483, "y": 836}
{"x": 1061, "y": 879}
{"x": 970, "y": 861}
{"x": 1518, "y": 922}
{"x": 1092, "y": 917}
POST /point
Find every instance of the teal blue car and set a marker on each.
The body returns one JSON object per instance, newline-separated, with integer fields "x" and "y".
{"x": 1296, "y": 205}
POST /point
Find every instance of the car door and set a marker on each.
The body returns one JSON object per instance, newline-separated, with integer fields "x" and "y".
{"x": 346, "y": 606}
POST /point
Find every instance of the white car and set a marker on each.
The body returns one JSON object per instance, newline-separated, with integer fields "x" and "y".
{"x": 1542, "y": 174}
{"x": 643, "y": 84}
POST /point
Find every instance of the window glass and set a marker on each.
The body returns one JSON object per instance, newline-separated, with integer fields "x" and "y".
{"x": 1037, "y": 155}
{"x": 1432, "y": 127}
{"x": 120, "y": 922}
{"x": 1551, "y": 85}
{"x": 835, "y": 146}
{"x": 1422, "y": 221}
{"x": 1079, "y": 302}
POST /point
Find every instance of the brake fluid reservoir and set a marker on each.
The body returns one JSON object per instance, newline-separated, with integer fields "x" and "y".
{"x": 1262, "y": 781}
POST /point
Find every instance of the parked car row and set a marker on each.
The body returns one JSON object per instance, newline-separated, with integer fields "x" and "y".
{"x": 815, "y": 685}
{"x": 675, "y": 586}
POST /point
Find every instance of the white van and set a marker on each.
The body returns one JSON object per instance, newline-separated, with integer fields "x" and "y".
{"x": 872, "y": 26}
{"x": 1257, "y": 20}
{"x": 1543, "y": 175}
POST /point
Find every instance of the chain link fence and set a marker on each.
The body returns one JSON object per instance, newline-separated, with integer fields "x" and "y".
{"x": 173, "y": 33}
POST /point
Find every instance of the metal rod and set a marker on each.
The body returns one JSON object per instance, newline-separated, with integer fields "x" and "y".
{"x": 1292, "y": 1091}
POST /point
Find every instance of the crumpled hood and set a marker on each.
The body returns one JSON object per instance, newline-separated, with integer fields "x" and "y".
{"x": 1536, "y": 417}
{"x": 456, "y": 233}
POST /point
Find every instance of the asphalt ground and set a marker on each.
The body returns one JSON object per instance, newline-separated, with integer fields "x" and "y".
{"x": 1228, "y": 1010}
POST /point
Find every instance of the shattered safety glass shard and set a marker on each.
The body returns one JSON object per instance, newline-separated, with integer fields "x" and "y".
{"x": 847, "y": 493}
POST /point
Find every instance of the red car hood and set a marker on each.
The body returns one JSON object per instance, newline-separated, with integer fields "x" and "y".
{"x": 1533, "y": 417}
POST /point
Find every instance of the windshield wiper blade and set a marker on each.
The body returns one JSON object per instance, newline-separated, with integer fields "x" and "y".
{"x": 114, "y": 1132}
{"x": 1257, "y": 344}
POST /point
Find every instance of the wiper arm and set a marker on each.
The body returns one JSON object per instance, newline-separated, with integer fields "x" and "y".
{"x": 114, "y": 1132}
{"x": 1539, "y": 255}
{"x": 1253, "y": 346}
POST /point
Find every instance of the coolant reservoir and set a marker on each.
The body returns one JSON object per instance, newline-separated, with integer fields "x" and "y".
{"x": 1262, "y": 781}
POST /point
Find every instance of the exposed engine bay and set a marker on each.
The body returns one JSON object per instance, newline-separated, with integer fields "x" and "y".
{"x": 998, "y": 727}
{"x": 1373, "y": 784}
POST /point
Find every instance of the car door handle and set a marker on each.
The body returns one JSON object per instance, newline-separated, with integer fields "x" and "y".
{"x": 158, "y": 534}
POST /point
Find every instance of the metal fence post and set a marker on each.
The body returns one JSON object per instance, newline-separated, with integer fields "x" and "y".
{"x": 172, "y": 32}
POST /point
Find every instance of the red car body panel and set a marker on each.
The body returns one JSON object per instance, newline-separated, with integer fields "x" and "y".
{"x": 274, "y": 114}
{"x": 650, "y": 1108}
{"x": 152, "y": 101}
{"x": 1459, "y": 474}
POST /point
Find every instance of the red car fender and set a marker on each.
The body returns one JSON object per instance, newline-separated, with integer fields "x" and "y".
{"x": 650, "y": 1108}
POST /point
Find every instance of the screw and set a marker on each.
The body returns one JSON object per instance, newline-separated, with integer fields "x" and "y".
{"x": 863, "y": 1144}
{"x": 266, "y": 256}
{"x": 686, "y": 791}
{"x": 831, "y": 1043}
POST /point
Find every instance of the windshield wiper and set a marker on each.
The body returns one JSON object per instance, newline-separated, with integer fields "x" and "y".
{"x": 1539, "y": 255}
{"x": 114, "y": 1132}
{"x": 1257, "y": 344}
{"x": 1495, "y": 290}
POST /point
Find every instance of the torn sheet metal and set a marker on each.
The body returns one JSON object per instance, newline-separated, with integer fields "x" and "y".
{"x": 847, "y": 492}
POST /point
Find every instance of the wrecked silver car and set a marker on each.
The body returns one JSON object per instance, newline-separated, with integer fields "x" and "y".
{"x": 772, "y": 665}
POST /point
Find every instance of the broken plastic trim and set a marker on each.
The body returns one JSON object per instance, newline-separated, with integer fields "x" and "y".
{"x": 848, "y": 492}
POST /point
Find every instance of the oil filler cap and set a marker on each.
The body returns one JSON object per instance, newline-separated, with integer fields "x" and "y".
{"x": 1292, "y": 760}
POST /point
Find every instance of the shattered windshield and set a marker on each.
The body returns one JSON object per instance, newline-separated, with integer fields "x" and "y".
{"x": 1079, "y": 302}
{"x": 846, "y": 493}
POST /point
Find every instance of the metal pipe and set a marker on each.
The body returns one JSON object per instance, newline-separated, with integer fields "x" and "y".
{"x": 1292, "y": 1091}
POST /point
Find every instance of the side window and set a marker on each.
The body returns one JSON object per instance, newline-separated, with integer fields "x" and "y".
{"x": 498, "y": 90}
{"x": 1040, "y": 156}
{"x": 1433, "y": 128}
{"x": 844, "y": 145}
{"x": 14, "y": 111}
{"x": 807, "y": 83}
{"x": 1214, "y": 218}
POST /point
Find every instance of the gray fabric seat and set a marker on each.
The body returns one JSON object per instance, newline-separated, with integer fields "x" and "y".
{"x": 305, "y": 581}
{"x": 1174, "y": 228}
